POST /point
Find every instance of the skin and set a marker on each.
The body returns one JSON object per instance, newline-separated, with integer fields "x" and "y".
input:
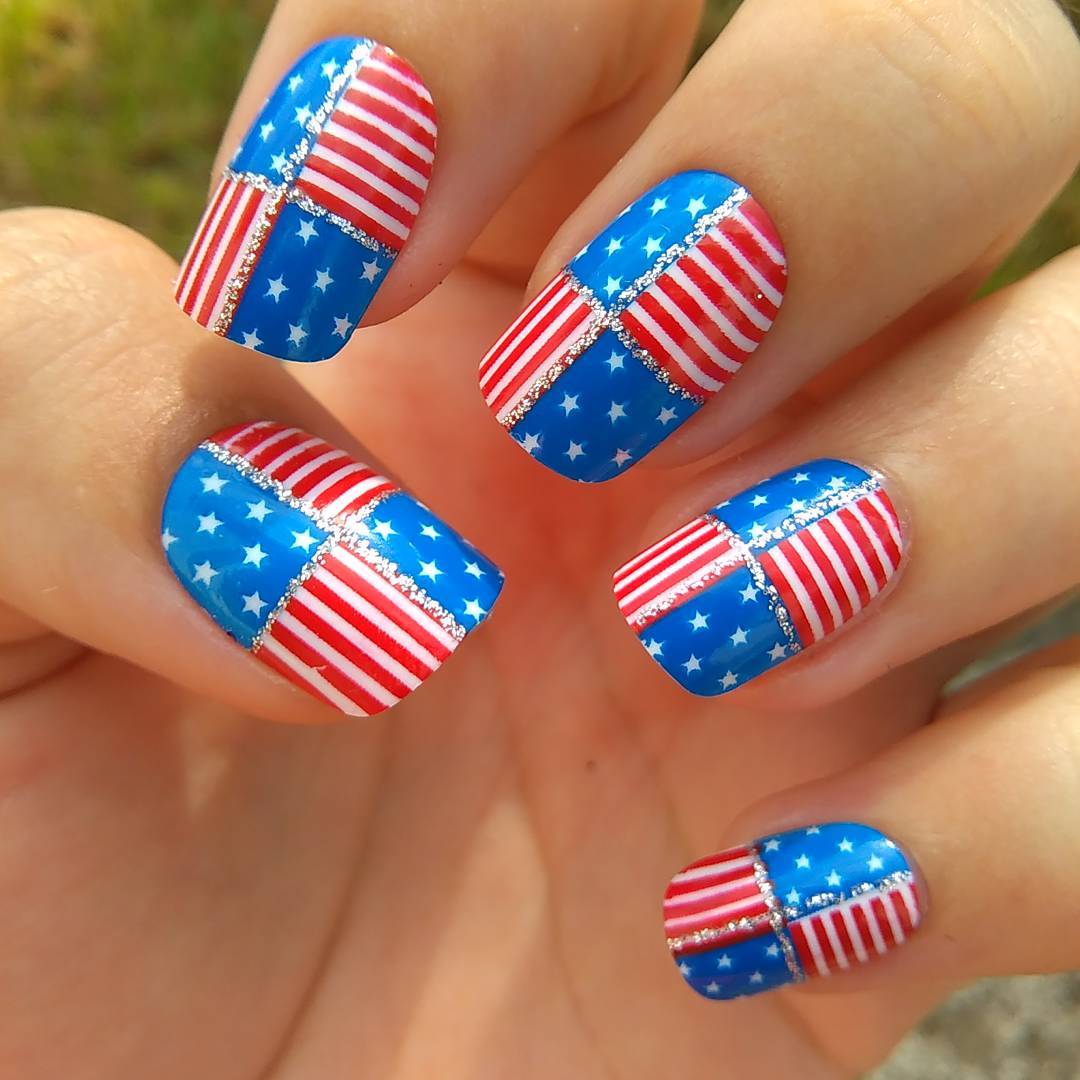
{"x": 202, "y": 874}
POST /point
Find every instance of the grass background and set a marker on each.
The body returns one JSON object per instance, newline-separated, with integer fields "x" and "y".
{"x": 116, "y": 106}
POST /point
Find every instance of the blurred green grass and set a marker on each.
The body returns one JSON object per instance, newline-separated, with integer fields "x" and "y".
{"x": 116, "y": 107}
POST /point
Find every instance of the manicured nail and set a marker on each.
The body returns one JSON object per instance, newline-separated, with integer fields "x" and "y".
{"x": 762, "y": 576}
{"x": 786, "y": 908}
{"x": 325, "y": 571}
{"x": 315, "y": 204}
{"x": 650, "y": 320}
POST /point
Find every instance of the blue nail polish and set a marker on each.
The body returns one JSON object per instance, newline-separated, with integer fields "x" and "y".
{"x": 762, "y": 576}
{"x": 324, "y": 570}
{"x": 650, "y": 320}
{"x": 315, "y": 205}
{"x": 798, "y": 905}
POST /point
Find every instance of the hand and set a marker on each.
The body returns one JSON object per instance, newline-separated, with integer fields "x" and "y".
{"x": 469, "y": 886}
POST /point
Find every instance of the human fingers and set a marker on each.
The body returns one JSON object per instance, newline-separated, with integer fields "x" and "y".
{"x": 323, "y": 570}
{"x": 319, "y": 197}
{"x": 955, "y": 509}
{"x": 931, "y": 135}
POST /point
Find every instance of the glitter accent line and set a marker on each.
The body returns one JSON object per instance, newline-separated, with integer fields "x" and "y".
{"x": 291, "y": 589}
{"x": 341, "y": 531}
{"x": 626, "y": 339}
{"x": 776, "y": 917}
{"x": 761, "y": 580}
{"x": 305, "y": 202}
{"x": 681, "y": 592}
{"x": 713, "y": 933}
{"x": 677, "y": 250}
{"x": 822, "y": 900}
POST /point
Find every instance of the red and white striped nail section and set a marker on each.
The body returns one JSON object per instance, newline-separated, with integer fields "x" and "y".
{"x": 793, "y": 906}
{"x": 324, "y": 570}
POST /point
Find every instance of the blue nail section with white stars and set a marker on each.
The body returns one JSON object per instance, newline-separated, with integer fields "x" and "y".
{"x": 763, "y": 575}
{"x": 315, "y": 205}
{"x": 647, "y": 322}
{"x": 789, "y": 907}
{"x": 324, "y": 570}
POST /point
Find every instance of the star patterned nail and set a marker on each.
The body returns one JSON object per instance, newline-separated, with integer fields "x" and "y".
{"x": 315, "y": 205}
{"x": 763, "y": 576}
{"x": 322, "y": 569}
{"x": 651, "y": 319}
{"x": 795, "y": 906}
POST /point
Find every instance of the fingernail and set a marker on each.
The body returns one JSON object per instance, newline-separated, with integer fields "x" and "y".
{"x": 323, "y": 570}
{"x": 315, "y": 205}
{"x": 645, "y": 324}
{"x": 762, "y": 576}
{"x": 798, "y": 905}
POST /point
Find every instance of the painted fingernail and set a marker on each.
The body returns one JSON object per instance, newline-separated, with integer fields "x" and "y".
{"x": 323, "y": 570}
{"x": 315, "y": 205}
{"x": 650, "y": 320}
{"x": 795, "y": 906}
{"x": 762, "y": 576}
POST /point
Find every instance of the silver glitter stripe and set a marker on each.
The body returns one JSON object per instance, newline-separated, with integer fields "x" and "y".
{"x": 681, "y": 592}
{"x": 305, "y": 202}
{"x": 823, "y": 900}
{"x": 710, "y": 934}
{"x": 627, "y": 340}
{"x": 340, "y": 531}
{"x": 674, "y": 253}
{"x": 776, "y": 917}
{"x": 761, "y": 581}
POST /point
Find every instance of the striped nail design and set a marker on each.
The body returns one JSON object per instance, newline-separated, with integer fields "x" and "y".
{"x": 798, "y": 905}
{"x": 650, "y": 320}
{"x": 315, "y": 205}
{"x": 324, "y": 570}
{"x": 762, "y": 576}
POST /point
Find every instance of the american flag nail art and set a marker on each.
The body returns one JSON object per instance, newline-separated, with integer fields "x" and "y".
{"x": 651, "y": 319}
{"x": 763, "y": 575}
{"x": 316, "y": 203}
{"x": 798, "y": 905}
{"x": 324, "y": 570}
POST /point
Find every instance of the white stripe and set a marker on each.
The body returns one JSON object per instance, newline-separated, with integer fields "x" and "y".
{"x": 882, "y": 508}
{"x": 218, "y": 254}
{"x": 807, "y": 926}
{"x": 351, "y": 494}
{"x": 337, "y": 475}
{"x": 908, "y": 893}
{"x": 872, "y": 921}
{"x": 642, "y": 557}
{"x": 370, "y": 612}
{"x": 857, "y": 943}
{"x": 260, "y": 199}
{"x": 741, "y": 863}
{"x": 749, "y": 268}
{"x": 294, "y": 478}
{"x": 763, "y": 241}
{"x": 677, "y": 354}
{"x": 797, "y": 587}
{"x": 513, "y": 332}
{"x": 416, "y": 613}
{"x": 674, "y": 570}
{"x": 731, "y": 290}
{"x": 717, "y": 891}
{"x": 336, "y": 660}
{"x": 247, "y": 430}
{"x": 362, "y": 142}
{"x": 195, "y": 259}
{"x": 312, "y": 677}
{"x": 839, "y": 952}
{"x": 685, "y": 586}
{"x": 698, "y": 530}
{"x": 355, "y": 200}
{"x": 368, "y": 178}
{"x": 868, "y": 576}
{"x": 731, "y": 331}
{"x": 417, "y": 118}
{"x": 357, "y": 639}
{"x": 894, "y": 919}
{"x": 284, "y": 433}
{"x": 796, "y": 541}
{"x": 413, "y": 84}
{"x": 872, "y": 536}
{"x": 287, "y": 455}
{"x": 723, "y": 911}
{"x": 358, "y": 112}
{"x": 827, "y": 546}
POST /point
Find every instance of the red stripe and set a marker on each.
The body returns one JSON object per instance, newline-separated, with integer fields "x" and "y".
{"x": 828, "y": 572}
{"x": 362, "y": 188}
{"x": 221, "y": 231}
{"x": 881, "y": 916}
{"x": 802, "y": 948}
{"x": 788, "y": 598}
{"x": 321, "y": 591}
{"x": 863, "y": 924}
{"x": 256, "y": 435}
{"x": 836, "y": 919}
{"x": 725, "y": 263}
{"x": 368, "y": 161}
{"x": 382, "y": 140}
{"x": 662, "y": 577}
{"x": 729, "y": 855}
{"x": 720, "y": 298}
{"x": 752, "y": 209}
{"x": 286, "y": 469}
{"x": 746, "y": 890}
{"x": 419, "y": 633}
{"x": 711, "y": 330}
{"x": 261, "y": 458}
{"x": 394, "y": 88}
{"x": 287, "y": 672}
{"x": 417, "y": 85}
{"x": 862, "y": 541}
{"x": 816, "y": 596}
{"x": 249, "y": 207}
{"x": 499, "y": 349}
{"x": 844, "y": 553}
{"x": 741, "y": 237}
{"x": 316, "y": 476}
{"x": 350, "y": 213}
{"x": 392, "y": 117}
{"x": 337, "y": 490}
{"x": 317, "y": 662}
{"x": 190, "y": 258}
{"x": 880, "y": 525}
{"x": 906, "y": 921}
